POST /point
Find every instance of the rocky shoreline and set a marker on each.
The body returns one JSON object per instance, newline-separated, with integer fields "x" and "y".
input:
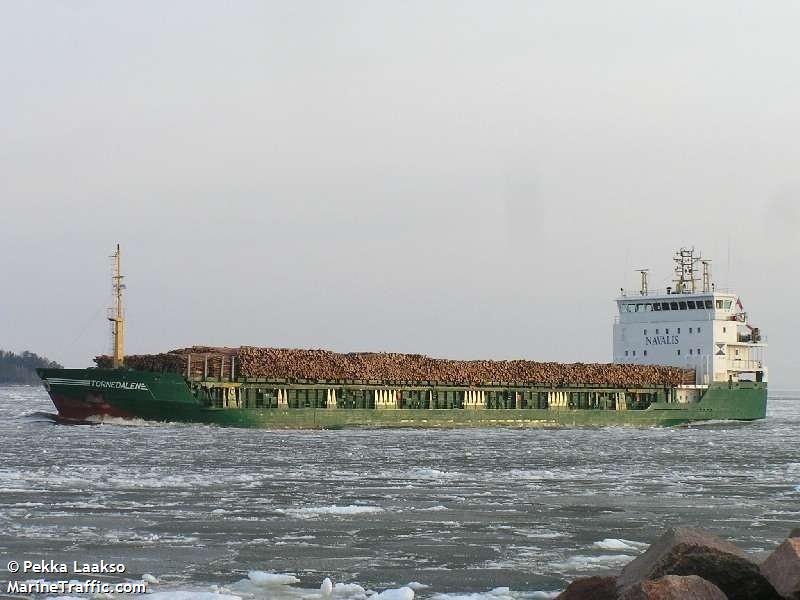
{"x": 693, "y": 564}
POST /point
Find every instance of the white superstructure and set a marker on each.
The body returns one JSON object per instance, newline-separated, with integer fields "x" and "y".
{"x": 689, "y": 325}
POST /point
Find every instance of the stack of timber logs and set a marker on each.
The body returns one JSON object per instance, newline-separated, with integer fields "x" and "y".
{"x": 291, "y": 364}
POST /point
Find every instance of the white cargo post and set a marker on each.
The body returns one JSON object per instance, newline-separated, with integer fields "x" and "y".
{"x": 282, "y": 399}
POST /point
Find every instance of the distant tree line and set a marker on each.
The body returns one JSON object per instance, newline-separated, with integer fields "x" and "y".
{"x": 21, "y": 368}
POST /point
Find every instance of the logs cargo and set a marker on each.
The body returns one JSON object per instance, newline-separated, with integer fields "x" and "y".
{"x": 202, "y": 362}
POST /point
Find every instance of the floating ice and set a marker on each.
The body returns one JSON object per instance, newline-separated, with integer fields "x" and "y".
{"x": 416, "y": 586}
{"x": 327, "y": 586}
{"x": 315, "y": 511}
{"x": 403, "y": 593}
{"x": 429, "y": 473}
{"x": 263, "y": 578}
{"x": 349, "y": 589}
{"x": 149, "y": 578}
{"x": 584, "y": 563}
{"x": 620, "y": 545}
{"x": 188, "y": 595}
{"x": 499, "y": 593}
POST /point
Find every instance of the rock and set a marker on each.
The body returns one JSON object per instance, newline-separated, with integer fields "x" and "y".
{"x": 590, "y": 588}
{"x": 674, "y": 587}
{"x": 698, "y": 552}
{"x": 782, "y": 568}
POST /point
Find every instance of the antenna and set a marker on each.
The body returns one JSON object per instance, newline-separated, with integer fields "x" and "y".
{"x": 644, "y": 273}
{"x": 115, "y": 313}
{"x": 706, "y": 275}
{"x": 685, "y": 281}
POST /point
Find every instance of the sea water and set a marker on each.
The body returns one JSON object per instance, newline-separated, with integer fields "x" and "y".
{"x": 212, "y": 513}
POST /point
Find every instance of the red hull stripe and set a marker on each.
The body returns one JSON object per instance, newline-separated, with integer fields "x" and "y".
{"x": 74, "y": 408}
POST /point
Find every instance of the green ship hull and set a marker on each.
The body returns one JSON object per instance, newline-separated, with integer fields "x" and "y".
{"x": 87, "y": 394}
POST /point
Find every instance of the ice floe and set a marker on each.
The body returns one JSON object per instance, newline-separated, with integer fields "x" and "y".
{"x": 309, "y": 512}
{"x": 264, "y": 578}
{"x": 619, "y": 545}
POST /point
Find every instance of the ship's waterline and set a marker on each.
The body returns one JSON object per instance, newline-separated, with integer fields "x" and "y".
{"x": 169, "y": 397}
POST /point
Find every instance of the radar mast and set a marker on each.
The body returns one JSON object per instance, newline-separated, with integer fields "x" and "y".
{"x": 685, "y": 280}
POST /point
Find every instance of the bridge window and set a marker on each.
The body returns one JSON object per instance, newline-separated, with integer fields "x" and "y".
{"x": 709, "y": 304}
{"x": 728, "y": 303}
{"x": 673, "y": 305}
{"x": 665, "y": 306}
{"x": 698, "y": 330}
{"x": 656, "y": 306}
{"x": 724, "y": 329}
{"x": 690, "y": 304}
{"x": 682, "y": 305}
{"x": 719, "y": 303}
{"x": 690, "y": 330}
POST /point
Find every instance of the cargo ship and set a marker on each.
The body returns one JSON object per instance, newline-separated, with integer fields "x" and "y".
{"x": 680, "y": 355}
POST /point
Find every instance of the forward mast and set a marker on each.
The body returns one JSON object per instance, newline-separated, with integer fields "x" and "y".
{"x": 115, "y": 313}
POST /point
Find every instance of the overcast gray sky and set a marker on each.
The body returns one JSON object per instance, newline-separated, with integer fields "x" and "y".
{"x": 462, "y": 179}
